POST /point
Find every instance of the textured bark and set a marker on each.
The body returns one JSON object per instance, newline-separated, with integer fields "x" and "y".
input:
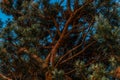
{"x": 57, "y": 45}
{"x": 117, "y": 72}
{"x": 48, "y": 76}
{"x": 4, "y": 77}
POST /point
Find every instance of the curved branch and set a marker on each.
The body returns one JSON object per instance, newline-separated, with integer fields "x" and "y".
{"x": 78, "y": 53}
{"x": 57, "y": 45}
{"x": 4, "y": 77}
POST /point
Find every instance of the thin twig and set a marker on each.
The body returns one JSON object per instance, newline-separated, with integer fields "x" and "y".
{"x": 78, "y": 53}
{"x": 56, "y": 25}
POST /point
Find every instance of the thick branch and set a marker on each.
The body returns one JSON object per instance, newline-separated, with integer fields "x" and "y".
{"x": 38, "y": 59}
{"x": 84, "y": 36}
{"x": 4, "y": 77}
{"x": 54, "y": 50}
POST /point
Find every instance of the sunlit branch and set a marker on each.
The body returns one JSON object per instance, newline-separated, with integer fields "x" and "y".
{"x": 54, "y": 50}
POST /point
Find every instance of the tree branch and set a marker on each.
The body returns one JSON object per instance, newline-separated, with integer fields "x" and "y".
{"x": 70, "y": 51}
{"x": 4, "y": 77}
{"x": 56, "y": 25}
{"x": 57, "y": 45}
{"x": 32, "y": 55}
{"x": 78, "y": 53}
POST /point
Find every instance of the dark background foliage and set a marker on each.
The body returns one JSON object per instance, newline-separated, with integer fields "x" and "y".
{"x": 60, "y": 40}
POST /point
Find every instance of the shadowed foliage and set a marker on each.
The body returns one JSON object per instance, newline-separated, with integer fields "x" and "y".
{"x": 60, "y": 40}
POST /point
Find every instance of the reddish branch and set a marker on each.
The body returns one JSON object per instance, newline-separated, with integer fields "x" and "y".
{"x": 4, "y": 77}
{"x": 52, "y": 54}
{"x": 70, "y": 51}
{"x": 78, "y": 53}
{"x": 56, "y": 25}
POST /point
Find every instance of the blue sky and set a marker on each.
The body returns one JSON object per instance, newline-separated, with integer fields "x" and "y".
{"x": 4, "y": 17}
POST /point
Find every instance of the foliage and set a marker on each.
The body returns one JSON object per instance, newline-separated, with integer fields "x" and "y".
{"x": 60, "y": 40}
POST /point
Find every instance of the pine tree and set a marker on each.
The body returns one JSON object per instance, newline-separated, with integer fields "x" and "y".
{"x": 60, "y": 40}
